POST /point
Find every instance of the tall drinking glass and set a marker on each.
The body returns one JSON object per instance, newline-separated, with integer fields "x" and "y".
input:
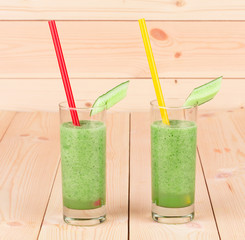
{"x": 83, "y": 164}
{"x": 173, "y": 162}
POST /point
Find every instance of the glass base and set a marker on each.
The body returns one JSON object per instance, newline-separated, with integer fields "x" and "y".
{"x": 89, "y": 217}
{"x": 172, "y": 215}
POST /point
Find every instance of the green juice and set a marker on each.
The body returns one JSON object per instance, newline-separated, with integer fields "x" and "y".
{"x": 173, "y": 156}
{"x": 83, "y": 162}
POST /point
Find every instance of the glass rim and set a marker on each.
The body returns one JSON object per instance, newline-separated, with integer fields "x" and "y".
{"x": 64, "y": 105}
{"x": 154, "y": 103}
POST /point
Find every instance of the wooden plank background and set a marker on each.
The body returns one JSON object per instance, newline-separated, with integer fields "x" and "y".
{"x": 28, "y": 162}
{"x": 224, "y": 168}
{"x": 45, "y": 94}
{"x": 187, "y": 54}
{"x": 193, "y": 42}
{"x": 124, "y": 9}
{"x": 111, "y": 49}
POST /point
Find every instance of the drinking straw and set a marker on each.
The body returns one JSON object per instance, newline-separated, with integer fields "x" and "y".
{"x": 64, "y": 73}
{"x": 153, "y": 70}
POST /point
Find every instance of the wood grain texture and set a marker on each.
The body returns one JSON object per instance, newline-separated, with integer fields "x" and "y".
{"x": 116, "y": 224}
{"x": 141, "y": 224}
{"x": 114, "y": 49}
{"x": 5, "y": 121}
{"x": 28, "y": 162}
{"x": 45, "y": 94}
{"x": 123, "y": 10}
{"x": 223, "y": 158}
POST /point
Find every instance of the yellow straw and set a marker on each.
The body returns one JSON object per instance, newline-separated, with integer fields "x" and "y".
{"x": 153, "y": 70}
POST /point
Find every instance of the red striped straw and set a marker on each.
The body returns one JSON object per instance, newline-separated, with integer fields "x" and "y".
{"x": 64, "y": 73}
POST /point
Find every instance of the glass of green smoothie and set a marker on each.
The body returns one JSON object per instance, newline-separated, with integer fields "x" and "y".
{"x": 83, "y": 164}
{"x": 173, "y": 162}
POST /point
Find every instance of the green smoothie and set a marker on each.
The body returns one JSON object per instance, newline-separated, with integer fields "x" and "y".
{"x": 173, "y": 156}
{"x": 83, "y": 162}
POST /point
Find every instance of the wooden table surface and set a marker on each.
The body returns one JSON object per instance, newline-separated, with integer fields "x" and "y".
{"x": 30, "y": 181}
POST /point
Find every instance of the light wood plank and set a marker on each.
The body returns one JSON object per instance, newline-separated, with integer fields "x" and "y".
{"x": 123, "y": 10}
{"x": 5, "y": 121}
{"x": 221, "y": 146}
{"x": 28, "y": 162}
{"x": 45, "y": 94}
{"x": 116, "y": 225}
{"x": 114, "y": 49}
{"x": 141, "y": 224}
